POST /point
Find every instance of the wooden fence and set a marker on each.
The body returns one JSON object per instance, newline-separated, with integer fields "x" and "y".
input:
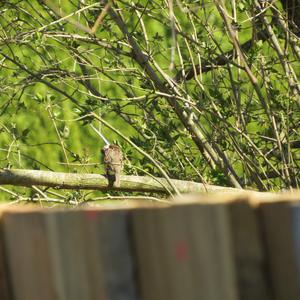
{"x": 211, "y": 248}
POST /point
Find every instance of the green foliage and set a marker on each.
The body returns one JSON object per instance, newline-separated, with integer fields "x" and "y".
{"x": 54, "y": 74}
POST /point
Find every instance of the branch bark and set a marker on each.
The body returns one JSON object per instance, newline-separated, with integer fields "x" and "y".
{"x": 28, "y": 178}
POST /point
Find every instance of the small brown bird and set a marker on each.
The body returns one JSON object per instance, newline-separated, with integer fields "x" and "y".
{"x": 113, "y": 160}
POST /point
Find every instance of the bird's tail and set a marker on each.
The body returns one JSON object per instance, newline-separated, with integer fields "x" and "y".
{"x": 117, "y": 182}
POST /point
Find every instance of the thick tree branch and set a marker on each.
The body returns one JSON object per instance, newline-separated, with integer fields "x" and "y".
{"x": 28, "y": 178}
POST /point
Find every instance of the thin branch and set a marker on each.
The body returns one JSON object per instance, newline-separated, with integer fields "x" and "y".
{"x": 67, "y": 18}
{"x": 221, "y": 60}
{"x": 125, "y": 198}
{"x": 101, "y": 17}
